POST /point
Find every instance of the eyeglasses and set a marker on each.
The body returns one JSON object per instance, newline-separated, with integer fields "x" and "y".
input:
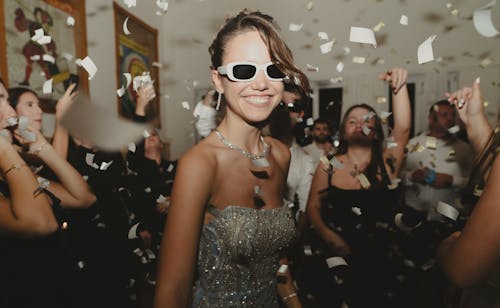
{"x": 247, "y": 71}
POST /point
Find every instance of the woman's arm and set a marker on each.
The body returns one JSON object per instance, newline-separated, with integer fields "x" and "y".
{"x": 60, "y": 139}
{"x": 397, "y": 78}
{"x": 313, "y": 211}
{"x": 285, "y": 287}
{"x": 469, "y": 102}
{"x": 73, "y": 191}
{"x": 468, "y": 257}
{"x": 179, "y": 246}
{"x": 23, "y": 214}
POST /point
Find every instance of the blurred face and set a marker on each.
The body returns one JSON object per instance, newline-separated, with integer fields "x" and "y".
{"x": 355, "y": 121}
{"x": 6, "y": 111}
{"x": 152, "y": 142}
{"x": 291, "y": 98}
{"x": 442, "y": 118}
{"x": 28, "y": 106}
{"x": 321, "y": 133}
{"x": 253, "y": 100}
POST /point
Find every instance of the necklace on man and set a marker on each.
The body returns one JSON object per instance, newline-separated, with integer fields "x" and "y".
{"x": 257, "y": 160}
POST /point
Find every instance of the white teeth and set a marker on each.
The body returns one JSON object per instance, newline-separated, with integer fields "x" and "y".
{"x": 257, "y": 99}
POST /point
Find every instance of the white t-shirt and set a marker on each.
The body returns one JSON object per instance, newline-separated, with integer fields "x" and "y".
{"x": 453, "y": 157}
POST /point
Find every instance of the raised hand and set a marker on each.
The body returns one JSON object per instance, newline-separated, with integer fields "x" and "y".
{"x": 468, "y": 100}
{"x": 66, "y": 100}
{"x": 396, "y": 77}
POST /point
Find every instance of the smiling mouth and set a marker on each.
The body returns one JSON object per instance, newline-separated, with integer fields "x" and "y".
{"x": 258, "y": 100}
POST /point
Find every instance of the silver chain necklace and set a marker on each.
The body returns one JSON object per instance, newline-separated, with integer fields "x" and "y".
{"x": 246, "y": 153}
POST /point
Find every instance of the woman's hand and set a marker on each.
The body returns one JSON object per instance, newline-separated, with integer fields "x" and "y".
{"x": 66, "y": 101}
{"x": 34, "y": 146}
{"x": 396, "y": 77}
{"x": 144, "y": 95}
{"x": 468, "y": 100}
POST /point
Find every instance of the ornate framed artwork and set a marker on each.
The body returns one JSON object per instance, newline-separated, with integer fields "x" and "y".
{"x": 29, "y": 62}
{"x": 136, "y": 52}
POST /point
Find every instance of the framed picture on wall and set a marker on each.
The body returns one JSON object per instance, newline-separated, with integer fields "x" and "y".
{"x": 136, "y": 52}
{"x": 30, "y": 61}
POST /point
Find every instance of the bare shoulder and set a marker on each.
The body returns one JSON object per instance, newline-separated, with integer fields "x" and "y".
{"x": 201, "y": 159}
{"x": 280, "y": 152}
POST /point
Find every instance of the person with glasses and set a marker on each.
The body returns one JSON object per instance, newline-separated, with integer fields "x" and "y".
{"x": 227, "y": 225}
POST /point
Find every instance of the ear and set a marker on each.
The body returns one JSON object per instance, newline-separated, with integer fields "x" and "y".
{"x": 217, "y": 80}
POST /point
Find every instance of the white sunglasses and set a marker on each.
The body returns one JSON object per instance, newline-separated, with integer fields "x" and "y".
{"x": 247, "y": 71}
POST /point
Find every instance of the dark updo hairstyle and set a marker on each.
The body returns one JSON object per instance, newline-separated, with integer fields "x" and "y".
{"x": 376, "y": 165}
{"x": 248, "y": 20}
{"x": 15, "y": 94}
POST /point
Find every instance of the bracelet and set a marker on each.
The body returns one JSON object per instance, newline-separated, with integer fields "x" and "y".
{"x": 14, "y": 167}
{"x": 285, "y": 298}
{"x": 37, "y": 150}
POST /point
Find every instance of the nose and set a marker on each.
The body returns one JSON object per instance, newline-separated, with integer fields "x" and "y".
{"x": 260, "y": 82}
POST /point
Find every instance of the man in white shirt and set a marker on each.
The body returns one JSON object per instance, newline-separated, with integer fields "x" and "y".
{"x": 437, "y": 163}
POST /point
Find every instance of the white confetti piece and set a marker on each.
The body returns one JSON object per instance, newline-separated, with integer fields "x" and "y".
{"x": 157, "y": 64}
{"x": 381, "y": 99}
{"x": 125, "y": 27}
{"x": 67, "y": 56}
{"x": 130, "y": 3}
{"x": 394, "y": 184}
{"x": 366, "y": 130}
{"x": 81, "y": 264}
{"x": 141, "y": 80}
{"x": 120, "y": 92}
{"x": 454, "y": 129}
{"x": 403, "y": 20}
{"x": 283, "y": 269}
{"x": 310, "y": 5}
{"x": 163, "y": 6}
{"x": 447, "y": 210}
{"x": 170, "y": 168}
{"x": 430, "y": 142}
{"x": 336, "y": 80}
{"x": 46, "y": 39}
{"x": 340, "y": 67}
{"x": 336, "y": 164}
{"x": 132, "y": 233}
{"x": 70, "y": 21}
{"x": 38, "y": 34}
{"x": 310, "y": 122}
{"x": 307, "y": 250}
{"x": 378, "y": 26}
{"x": 449, "y": 5}
{"x": 105, "y": 165}
{"x": 295, "y": 27}
{"x": 335, "y": 261}
{"x": 384, "y": 115}
{"x": 128, "y": 78}
{"x": 483, "y": 22}
{"x": 89, "y": 66}
{"x": 363, "y": 180}
{"x": 132, "y": 147}
{"x": 358, "y": 60}
{"x": 323, "y": 36}
{"x": 161, "y": 199}
{"x": 47, "y": 86}
{"x": 48, "y": 58}
{"x": 35, "y": 58}
{"x": 347, "y": 50}
{"x": 425, "y": 53}
{"x": 311, "y": 68}
{"x": 261, "y": 162}
{"x": 185, "y": 105}
{"x": 485, "y": 62}
{"x": 455, "y": 12}
{"x": 362, "y": 35}
{"x": 356, "y": 211}
{"x": 326, "y": 47}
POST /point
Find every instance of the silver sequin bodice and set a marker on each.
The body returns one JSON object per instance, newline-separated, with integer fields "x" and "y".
{"x": 238, "y": 257}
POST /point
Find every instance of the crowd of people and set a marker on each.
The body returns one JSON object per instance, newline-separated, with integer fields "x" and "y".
{"x": 265, "y": 210}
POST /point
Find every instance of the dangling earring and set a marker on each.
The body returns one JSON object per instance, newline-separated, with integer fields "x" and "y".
{"x": 218, "y": 101}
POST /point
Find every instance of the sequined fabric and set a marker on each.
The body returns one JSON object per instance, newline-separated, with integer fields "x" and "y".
{"x": 238, "y": 257}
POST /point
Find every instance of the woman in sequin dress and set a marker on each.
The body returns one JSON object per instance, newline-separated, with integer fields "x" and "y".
{"x": 227, "y": 224}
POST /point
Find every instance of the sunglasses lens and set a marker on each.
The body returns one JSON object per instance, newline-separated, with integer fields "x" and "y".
{"x": 274, "y": 72}
{"x": 244, "y": 71}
